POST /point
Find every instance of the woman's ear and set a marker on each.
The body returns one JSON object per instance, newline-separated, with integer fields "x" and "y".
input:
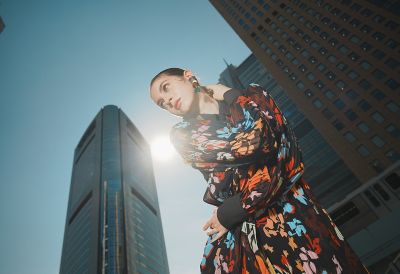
{"x": 188, "y": 73}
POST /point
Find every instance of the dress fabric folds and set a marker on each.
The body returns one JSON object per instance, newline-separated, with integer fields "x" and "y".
{"x": 253, "y": 166}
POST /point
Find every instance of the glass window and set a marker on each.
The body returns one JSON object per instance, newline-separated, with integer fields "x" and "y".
{"x": 391, "y": 25}
{"x": 378, "y": 95}
{"x": 378, "y": 54}
{"x": 339, "y": 103}
{"x": 378, "y": 18}
{"x": 305, "y": 53}
{"x": 332, "y": 58}
{"x": 355, "y": 7}
{"x": 310, "y": 76}
{"x": 302, "y": 68}
{"x": 364, "y": 105}
{"x": 352, "y": 74}
{"x": 300, "y": 85}
{"x": 355, "y": 39}
{"x": 354, "y": 56}
{"x": 365, "y": 46}
{"x": 327, "y": 113}
{"x": 352, "y": 94}
{"x": 340, "y": 84}
{"x": 308, "y": 93}
{"x": 363, "y": 127}
{"x": 344, "y": 32}
{"x": 315, "y": 45}
{"x": 343, "y": 49}
{"x": 320, "y": 84}
{"x": 393, "y": 130}
{"x": 378, "y": 74}
{"x": 338, "y": 124}
{"x": 365, "y": 65}
{"x": 392, "y": 63}
{"x": 351, "y": 115}
{"x": 392, "y": 106}
{"x": 317, "y": 103}
{"x": 392, "y": 84}
{"x": 312, "y": 60}
{"x": 295, "y": 61}
{"x": 366, "y": 29}
{"x": 377, "y": 116}
{"x": 355, "y": 22}
{"x": 325, "y": 20}
{"x": 378, "y": 141}
{"x": 324, "y": 35}
{"x": 345, "y": 17}
{"x": 350, "y": 136}
{"x": 378, "y": 36}
{"x": 333, "y": 42}
{"x": 323, "y": 51}
{"x": 342, "y": 66}
{"x": 391, "y": 44}
{"x": 329, "y": 94}
{"x": 321, "y": 67}
{"x": 363, "y": 150}
{"x": 393, "y": 155}
{"x": 366, "y": 12}
{"x": 334, "y": 26}
{"x": 365, "y": 84}
{"x": 330, "y": 75}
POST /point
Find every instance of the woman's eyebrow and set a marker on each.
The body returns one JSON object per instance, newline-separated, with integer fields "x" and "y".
{"x": 159, "y": 88}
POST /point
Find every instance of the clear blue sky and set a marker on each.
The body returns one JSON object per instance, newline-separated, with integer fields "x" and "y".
{"x": 60, "y": 62}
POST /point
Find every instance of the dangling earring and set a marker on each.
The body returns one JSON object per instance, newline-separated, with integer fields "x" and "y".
{"x": 197, "y": 87}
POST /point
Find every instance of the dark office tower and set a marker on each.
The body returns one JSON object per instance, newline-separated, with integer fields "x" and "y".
{"x": 1, "y": 25}
{"x": 333, "y": 68}
{"x": 339, "y": 62}
{"x": 113, "y": 222}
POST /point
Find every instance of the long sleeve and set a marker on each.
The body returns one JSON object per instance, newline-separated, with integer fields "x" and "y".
{"x": 257, "y": 133}
{"x": 202, "y": 143}
{"x": 283, "y": 167}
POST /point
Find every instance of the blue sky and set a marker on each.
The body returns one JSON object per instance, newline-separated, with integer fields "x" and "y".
{"x": 60, "y": 62}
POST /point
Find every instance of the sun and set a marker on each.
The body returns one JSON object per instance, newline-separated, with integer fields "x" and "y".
{"x": 161, "y": 148}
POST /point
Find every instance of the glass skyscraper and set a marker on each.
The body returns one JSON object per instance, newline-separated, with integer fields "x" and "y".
{"x": 113, "y": 222}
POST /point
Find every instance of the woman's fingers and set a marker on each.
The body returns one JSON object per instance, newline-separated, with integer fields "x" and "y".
{"x": 212, "y": 231}
{"x": 206, "y": 225}
{"x": 219, "y": 235}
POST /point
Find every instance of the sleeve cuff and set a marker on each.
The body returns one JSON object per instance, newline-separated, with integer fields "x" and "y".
{"x": 231, "y": 212}
{"x": 231, "y": 94}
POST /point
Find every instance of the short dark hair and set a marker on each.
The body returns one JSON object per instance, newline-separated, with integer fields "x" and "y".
{"x": 168, "y": 72}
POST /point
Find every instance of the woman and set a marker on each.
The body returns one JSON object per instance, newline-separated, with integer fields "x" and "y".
{"x": 267, "y": 220}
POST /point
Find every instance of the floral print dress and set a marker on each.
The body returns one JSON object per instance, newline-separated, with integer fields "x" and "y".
{"x": 252, "y": 163}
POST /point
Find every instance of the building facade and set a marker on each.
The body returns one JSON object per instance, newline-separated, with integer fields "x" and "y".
{"x": 339, "y": 61}
{"x": 333, "y": 69}
{"x": 113, "y": 222}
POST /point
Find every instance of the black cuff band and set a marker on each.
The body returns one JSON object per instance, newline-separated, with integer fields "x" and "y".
{"x": 231, "y": 212}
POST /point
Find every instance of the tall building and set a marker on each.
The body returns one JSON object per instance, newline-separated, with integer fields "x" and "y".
{"x": 339, "y": 61}
{"x": 113, "y": 222}
{"x": 333, "y": 69}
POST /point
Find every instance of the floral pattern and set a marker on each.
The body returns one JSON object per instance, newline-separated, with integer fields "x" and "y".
{"x": 252, "y": 163}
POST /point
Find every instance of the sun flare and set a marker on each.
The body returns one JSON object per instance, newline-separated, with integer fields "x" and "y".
{"x": 162, "y": 149}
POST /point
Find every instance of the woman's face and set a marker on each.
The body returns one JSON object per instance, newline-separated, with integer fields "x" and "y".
{"x": 173, "y": 93}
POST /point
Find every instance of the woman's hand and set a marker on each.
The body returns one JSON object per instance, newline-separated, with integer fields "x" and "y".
{"x": 215, "y": 226}
{"x": 219, "y": 91}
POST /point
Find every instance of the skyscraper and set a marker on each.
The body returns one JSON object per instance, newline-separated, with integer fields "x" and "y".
{"x": 339, "y": 63}
{"x": 333, "y": 69}
{"x": 113, "y": 222}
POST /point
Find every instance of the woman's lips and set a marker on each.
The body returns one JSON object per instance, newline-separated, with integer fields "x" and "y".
{"x": 178, "y": 103}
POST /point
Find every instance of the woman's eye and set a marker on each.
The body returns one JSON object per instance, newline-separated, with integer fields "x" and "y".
{"x": 166, "y": 87}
